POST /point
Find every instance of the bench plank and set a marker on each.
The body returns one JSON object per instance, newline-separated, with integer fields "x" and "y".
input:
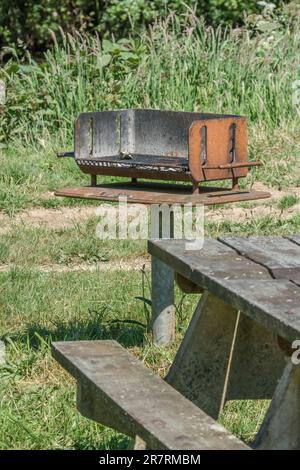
{"x": 145, "y": 405}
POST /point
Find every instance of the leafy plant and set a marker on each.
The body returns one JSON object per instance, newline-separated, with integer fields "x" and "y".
{"x": 177, "y": 64}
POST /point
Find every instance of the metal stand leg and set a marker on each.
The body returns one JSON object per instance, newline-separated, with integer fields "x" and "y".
{"x": 93, "y": 180}
{"x": 163, "y": 310}
{"x": 195, "y": 188}
{"x": 235, "y": 184}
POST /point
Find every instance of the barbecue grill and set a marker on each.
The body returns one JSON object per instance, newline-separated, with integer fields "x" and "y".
{"x": 162, "y": 145}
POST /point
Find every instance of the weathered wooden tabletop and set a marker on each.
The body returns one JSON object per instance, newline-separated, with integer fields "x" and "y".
{"x": 258, "y": 275}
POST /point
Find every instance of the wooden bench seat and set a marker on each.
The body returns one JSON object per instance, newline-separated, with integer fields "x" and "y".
{"x": 117, "y": 390}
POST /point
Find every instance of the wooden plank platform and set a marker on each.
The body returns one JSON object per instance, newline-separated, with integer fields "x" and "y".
{"x": 156, "y": 193}
{"x": 118, "y": 390}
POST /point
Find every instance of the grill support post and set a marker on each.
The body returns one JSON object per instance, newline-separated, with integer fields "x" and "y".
{"x": 163, "y": 309}
{"x": 2, "y": 353}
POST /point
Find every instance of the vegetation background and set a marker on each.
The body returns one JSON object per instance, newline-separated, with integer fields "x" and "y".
{"x": 59, "y": 58}
{"x": 28, "y": 21}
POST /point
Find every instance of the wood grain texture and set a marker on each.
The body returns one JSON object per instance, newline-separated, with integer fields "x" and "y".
{"x": 116, "y": 386}
{"x": 247, "y": 285}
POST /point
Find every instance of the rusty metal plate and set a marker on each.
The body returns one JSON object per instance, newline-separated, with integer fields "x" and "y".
{"x": 155, "y": 193}
{"x": 211, "y": 149}
{"x": 135, "y": 131}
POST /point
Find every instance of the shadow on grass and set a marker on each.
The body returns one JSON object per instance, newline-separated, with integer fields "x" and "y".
{"x": 128, "y": 333}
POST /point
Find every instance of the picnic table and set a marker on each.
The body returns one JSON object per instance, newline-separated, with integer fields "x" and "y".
{"x": 238, "y": 344}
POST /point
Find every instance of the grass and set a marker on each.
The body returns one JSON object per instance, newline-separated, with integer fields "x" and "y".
{"x": 37, "y": 398}
{"x": 288, "y": 201}
{"x": 43, "y": 246}
{"x": 244, "y": 417}
{"x": 268, "y": 225}
{"x": 171, "y": 66}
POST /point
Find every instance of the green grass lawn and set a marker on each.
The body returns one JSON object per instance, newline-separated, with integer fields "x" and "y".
{"x": 172, "y": 66}
{"x": 27, "y": 246}
{"x": 37, "y": 397}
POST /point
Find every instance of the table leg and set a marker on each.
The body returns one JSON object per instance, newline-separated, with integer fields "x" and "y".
{"x": 2, "y": 353}
{"x": 225, "y": 355}
{"x": 163, "y": 310}
{"x": 200, "y": 368}
{"x": 257, "y": 362}
{"x": 281, "y": 427}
